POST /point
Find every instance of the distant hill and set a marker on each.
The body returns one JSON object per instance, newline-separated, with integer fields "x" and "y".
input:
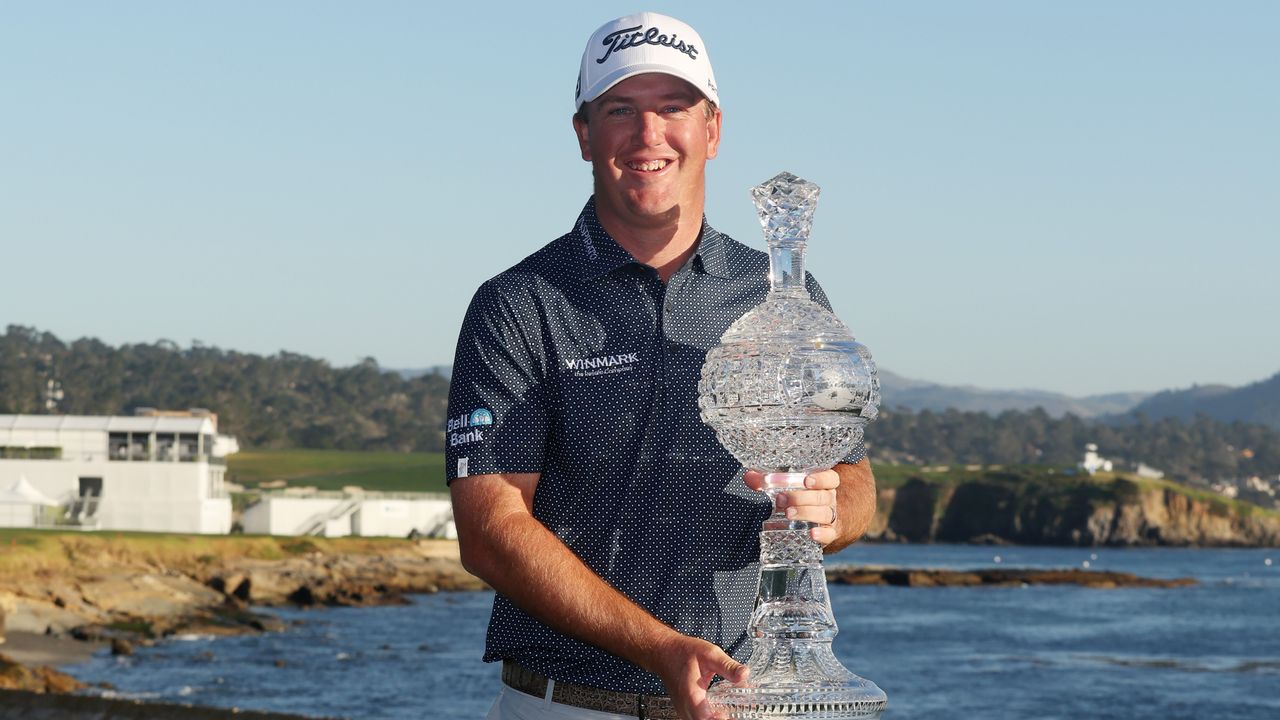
{"x": 901, "y": 392}
{"x": 443, "y": 371}
{"x": 1255, "y": 403}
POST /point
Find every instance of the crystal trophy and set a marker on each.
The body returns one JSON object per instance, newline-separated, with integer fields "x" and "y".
{"x": 788, "y": 391}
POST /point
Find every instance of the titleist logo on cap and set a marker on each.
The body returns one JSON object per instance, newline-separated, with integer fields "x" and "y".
{"x": 633, "y": 36}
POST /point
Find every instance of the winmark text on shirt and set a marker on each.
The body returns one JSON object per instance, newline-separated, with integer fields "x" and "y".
{"x": 603, "y": 365}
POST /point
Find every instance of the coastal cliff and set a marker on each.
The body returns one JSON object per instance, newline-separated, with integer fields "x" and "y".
{"x": 1017, "y": 508}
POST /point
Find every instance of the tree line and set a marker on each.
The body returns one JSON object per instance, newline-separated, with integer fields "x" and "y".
{"x": 288, "y": 400}
{"x": 284, "y": 400}
{"x": 1202, "y": 449}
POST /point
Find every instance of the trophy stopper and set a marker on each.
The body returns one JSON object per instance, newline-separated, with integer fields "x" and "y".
{"x": 785, "y": 204}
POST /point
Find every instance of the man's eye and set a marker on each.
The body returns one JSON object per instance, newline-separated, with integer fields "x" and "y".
{"x": 672, "y": 109}
{"x": 619, "y": 111}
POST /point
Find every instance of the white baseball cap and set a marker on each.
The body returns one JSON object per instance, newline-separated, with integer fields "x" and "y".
{"x": 643, "y": 43}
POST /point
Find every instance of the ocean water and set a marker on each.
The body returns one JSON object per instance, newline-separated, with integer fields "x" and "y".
{"x": 947, "y": 653}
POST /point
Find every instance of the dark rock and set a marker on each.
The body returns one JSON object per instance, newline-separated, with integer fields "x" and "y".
{"x": 912, "y": 518}
{"x": 303, "y": 597}
{"x": 979, "y": 508}
{"x": 121, "y": 647}
{"x": 996, "y": 577}
{"x": 42, "y": 679}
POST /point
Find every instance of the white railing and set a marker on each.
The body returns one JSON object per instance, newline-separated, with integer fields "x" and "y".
{"x": 315, "y": 524}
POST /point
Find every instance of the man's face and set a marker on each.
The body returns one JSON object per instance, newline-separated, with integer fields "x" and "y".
{"x": 648, "y": 140}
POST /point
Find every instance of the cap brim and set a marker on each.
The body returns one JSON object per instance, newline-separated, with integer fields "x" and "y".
{"x": 605, "y": 83}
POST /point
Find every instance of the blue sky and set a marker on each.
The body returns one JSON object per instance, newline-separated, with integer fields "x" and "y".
{"x": 1082, "y": 197}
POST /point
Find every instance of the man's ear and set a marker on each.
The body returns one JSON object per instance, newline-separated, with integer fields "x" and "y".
{"x": 583, "y": 132}
{"x": 713, "y": 134}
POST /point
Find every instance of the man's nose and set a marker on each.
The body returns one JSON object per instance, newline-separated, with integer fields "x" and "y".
{"x": 651, "y": 128}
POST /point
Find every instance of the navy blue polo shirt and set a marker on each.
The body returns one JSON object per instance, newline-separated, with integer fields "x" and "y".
{"x": 579, "y": 363}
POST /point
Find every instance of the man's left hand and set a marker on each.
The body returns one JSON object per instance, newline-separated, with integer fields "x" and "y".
{"x": 817, "y": 503}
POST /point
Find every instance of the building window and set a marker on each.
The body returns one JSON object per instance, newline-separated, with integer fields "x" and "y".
{"x": 30, "y": 453}
{"x": 139, "y": 446}
{"x": 118, "y": 446}
{"x": 165, "y": 446}
{"x": 188, "y": 447}
{"x": 129, "y": 446}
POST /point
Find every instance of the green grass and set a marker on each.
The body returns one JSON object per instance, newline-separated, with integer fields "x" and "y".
{"x": 894, "y": 476}
{"x": 334, "y": 469}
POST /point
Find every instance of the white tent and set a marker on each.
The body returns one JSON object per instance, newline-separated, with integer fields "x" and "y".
{"x": 20, "y": 504}
{"x": 22, "y": 492}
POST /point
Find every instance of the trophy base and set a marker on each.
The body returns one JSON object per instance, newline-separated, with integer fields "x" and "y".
{"x": 858, "y": 700}
{"x": 798, "y": 681}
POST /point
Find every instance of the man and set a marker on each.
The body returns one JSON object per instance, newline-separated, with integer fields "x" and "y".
{"x": 620, "y": 537}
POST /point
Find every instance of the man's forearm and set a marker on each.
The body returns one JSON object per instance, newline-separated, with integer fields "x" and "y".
{"x": 856, "y": 503}
{"x": 526, "y": 562}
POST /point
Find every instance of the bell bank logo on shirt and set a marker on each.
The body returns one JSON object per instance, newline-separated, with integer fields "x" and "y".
{"x": 603, "y": 365}
{"x": 474, "y": 419}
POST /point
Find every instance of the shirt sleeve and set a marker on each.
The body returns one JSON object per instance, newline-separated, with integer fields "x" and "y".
{"x": 497, "y": 421}
{"x": 819, "y": 296}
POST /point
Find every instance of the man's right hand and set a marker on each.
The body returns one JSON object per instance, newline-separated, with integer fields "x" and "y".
{"x": 504, "y": 545}
{"x": 686, "y": 666}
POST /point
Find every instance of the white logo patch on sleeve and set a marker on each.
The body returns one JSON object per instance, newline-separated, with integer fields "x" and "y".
{"x": 462, "y": 467}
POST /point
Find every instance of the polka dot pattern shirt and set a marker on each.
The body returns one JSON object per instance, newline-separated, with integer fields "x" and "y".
{"x": 580, "y": 364}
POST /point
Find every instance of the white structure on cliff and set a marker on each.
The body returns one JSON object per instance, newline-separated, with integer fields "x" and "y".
{"x": 161, "y": 473}
{"x": 1093, "y": 462}
{"x": 353, "y": 512}
{"x": 1146, "y": 471}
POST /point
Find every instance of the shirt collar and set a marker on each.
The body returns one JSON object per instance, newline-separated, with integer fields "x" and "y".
{"x": 601, "y": 254}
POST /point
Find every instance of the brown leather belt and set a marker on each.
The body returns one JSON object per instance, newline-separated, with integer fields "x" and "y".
{"x": 645, "y": 707}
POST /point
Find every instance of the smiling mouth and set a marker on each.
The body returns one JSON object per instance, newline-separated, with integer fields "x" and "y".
{"x": 648, "y": 165}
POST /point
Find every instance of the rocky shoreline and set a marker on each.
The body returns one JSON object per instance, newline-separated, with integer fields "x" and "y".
{"x": 65, "y": 595}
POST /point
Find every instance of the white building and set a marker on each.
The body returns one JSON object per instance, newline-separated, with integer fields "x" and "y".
{"x": 1257, "y": 484}
{"x": 1225, "y": 489}
{"x": 1146, "y": 471}
{"x": 1093, "y": 462}
{"x": 159, "y": 473}
{"x": 338, "y": 514}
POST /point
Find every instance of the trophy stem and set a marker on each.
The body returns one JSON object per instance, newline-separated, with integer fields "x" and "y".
{"x": 794, "y": 672}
